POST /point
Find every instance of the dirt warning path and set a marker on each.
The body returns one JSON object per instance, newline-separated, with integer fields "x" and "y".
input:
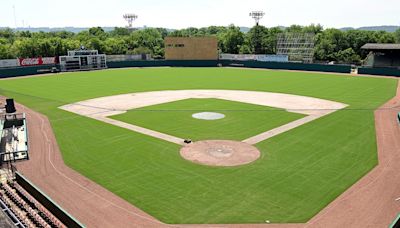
{"x": 368, "y": 203}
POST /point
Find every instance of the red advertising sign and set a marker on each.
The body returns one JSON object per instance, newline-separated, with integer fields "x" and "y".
{"x": 37, "y": 61}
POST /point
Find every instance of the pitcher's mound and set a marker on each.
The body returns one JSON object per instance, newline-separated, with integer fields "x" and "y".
{"x": 220, "y": 153}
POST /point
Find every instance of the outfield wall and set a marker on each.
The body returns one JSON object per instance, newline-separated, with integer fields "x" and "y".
{"x": 233, "y": 63}
{"x": 23, "y": 71}
{"x": 289, "y": 66}
{"x": 164, "y": 63}
{"x": 32, "y": 70}
{"x": 380, "y": 71}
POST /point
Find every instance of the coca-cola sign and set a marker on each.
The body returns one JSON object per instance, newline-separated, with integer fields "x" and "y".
{"x": 37, "y": 61}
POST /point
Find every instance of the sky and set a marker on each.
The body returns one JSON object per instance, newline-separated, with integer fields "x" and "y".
{"x": 179, "y": 14}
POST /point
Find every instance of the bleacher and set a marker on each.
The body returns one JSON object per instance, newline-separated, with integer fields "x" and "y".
{"x": 23, "y": 209}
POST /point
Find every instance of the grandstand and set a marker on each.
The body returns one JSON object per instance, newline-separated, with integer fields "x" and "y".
{"x": 382, "y": 55}
{"x": 23, "y": 209}
{"x": 21, "y": 203}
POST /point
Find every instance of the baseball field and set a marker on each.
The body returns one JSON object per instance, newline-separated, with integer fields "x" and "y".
{"x": 299, "y": 172}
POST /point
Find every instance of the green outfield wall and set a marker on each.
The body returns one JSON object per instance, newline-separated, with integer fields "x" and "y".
{"x": 289, "y": 66}
{"x": 23, "y": 71}
{"x": 380, "y": 71}
{"x": 230, "y": 63}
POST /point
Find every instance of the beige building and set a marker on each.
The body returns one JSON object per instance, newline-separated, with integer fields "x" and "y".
{"x": 191, "y": 48}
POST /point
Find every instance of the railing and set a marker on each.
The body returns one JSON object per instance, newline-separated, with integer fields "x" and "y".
{"x": 398, "y": 117}
{"x": 396, "y": 222}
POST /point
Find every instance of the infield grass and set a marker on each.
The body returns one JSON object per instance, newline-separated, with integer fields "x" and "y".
{"x": 241, "y": 120}
{"x": 299, "y": 171}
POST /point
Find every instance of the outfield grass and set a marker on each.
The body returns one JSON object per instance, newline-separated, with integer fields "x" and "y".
{"x": 241, "y": 120}
{"x": 298, "y": 174}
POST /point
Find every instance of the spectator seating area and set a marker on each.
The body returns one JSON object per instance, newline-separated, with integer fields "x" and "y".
{"x": 24, "y": 208}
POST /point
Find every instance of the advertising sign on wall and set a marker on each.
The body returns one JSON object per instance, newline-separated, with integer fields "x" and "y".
{"x": 9, "y": 63}
{"x": 261, "y": 58}
{"x": 37, "y": 61}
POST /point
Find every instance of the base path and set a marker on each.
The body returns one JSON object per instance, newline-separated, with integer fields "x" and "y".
{"x": 368, "y": 203}
{"x": 104, "y": 107}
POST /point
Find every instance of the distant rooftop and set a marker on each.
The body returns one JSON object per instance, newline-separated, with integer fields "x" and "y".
{"x": 374, "y": 46}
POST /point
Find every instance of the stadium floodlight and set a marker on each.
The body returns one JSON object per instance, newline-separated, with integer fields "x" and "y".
{"x": 257, "y": 16}
{"x": 129, "y": 17}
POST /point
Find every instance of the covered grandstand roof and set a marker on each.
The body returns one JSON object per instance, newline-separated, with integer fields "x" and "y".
{"x": 375, "y": 46}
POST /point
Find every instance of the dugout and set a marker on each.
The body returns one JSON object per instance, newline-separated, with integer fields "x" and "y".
{"x": 382, "y": 55}
{"x": 191, "y": 48}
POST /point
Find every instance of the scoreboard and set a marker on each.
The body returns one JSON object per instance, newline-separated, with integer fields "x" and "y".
{"x": 83, "y": 60}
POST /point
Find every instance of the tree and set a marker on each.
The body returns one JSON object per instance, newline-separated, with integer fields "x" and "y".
{"x": 232, "y": 40}
{"x": 8, "y": 34}
{"x": 25, "y": 34}
{"x": 316, "y": 29}
{"x": 114, "y": 46}
{"x": 25, "y": 48}
{"x": 96, "y": 31}
{"x": 397, "y": 35}
{"x": 5, "y": 49}
{"x": 150, "y": 38}
{"x": 215, "y": 30}
{"x": 95, "y": 44}
{"x": 64, "y": 34}
{"x": 329, "y": 43}
{"x": 163, "y": 32}
{"x": 69, "y": 45}
{"x": 139, "y": 50}
{"x": 45, "y": 48}
{"x": 386, "y": 37}
{"x": 120, "y": 32}
{"x": 255, "y": 38}
{"x": 245, "y": 49}
{"x": 178, "y": 33}
{"x": 348, "y": 56}
{"x": 270, "y": 40}
{"x": 295, "y": 29}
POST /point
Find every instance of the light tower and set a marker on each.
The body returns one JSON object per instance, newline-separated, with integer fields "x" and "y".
{"x": 257, "y": 16}
{"x": 130, "y": 17}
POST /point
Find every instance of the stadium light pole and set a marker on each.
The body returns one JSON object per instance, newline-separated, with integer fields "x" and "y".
{"x": 257, "y": 16}
{"x": 130, "y": 17}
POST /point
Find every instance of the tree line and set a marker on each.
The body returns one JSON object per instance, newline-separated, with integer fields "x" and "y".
{"x": 330, "y": 44}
